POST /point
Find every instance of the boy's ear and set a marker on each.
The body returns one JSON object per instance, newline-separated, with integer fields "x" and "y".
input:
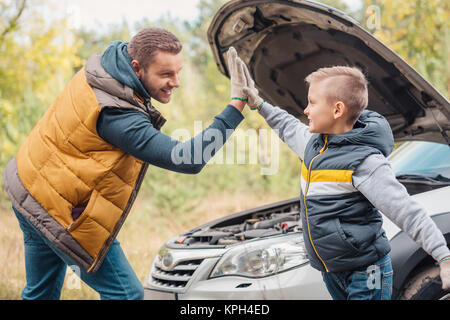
{"x": 339, "y": 110}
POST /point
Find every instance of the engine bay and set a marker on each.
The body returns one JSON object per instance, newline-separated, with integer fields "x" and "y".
{"x": 236, "y": 229}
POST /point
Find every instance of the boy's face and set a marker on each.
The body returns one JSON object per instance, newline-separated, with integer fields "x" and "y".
{"x": 320, "y": 111}
{"x": 161, "y": 77}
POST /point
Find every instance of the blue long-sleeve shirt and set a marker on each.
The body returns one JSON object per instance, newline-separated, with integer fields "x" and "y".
{"x": 132, "y": 132}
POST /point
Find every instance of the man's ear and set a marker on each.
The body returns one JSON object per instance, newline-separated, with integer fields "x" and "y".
{"x": 339, "y": 110}
{"x": 136, "y": 67}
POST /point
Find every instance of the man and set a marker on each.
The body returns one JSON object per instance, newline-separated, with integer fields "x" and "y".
{"x": 75, "y": 178}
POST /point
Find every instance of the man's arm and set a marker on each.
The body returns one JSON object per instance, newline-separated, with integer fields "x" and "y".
{"x": 375, "y": 179}
{"x": 290, "y": 129}
{"x": 132, "y": 132}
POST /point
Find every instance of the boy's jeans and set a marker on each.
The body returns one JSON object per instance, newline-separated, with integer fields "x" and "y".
{"x": 370, "y": 283}
{"x": 45, "y": 268}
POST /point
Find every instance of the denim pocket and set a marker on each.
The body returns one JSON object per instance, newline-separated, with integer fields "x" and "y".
{"x": 373, "y": 282}
{"x": 386, "y": 287}
{"x": 26, "y": 237}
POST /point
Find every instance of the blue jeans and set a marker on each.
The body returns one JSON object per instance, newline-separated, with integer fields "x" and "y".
{"x": 373, "y": 282}
{"x": 45, "y": 268}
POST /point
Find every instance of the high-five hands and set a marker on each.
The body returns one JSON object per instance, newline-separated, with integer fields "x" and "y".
{"x": 249, "y": 91}
{"x": 237, "y": 76}
{"x": 255, "y": 102}
{"x": 242, "y": 85}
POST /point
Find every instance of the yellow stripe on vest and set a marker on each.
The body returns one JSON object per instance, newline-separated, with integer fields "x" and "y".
{"x": 327, "y": 175}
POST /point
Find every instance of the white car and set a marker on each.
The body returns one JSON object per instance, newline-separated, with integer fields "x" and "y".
{"x": 259, "y": 253}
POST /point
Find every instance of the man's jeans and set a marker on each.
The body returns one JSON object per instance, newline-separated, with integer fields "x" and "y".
{"x": 370, "y": 283}
{"x": 45, "y": 268}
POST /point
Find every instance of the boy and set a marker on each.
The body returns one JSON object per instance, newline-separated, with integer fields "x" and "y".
{"x": 345, "y": 178}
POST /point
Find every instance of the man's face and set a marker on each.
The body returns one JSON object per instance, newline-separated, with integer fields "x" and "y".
{"x": 319, "y": 110}
{"x": 161, "y": 76}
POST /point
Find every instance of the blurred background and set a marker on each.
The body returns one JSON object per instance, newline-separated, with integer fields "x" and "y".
{"x": 44, "y": 42}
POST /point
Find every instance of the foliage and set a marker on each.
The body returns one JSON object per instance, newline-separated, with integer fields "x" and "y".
{"x": 419, "y": 32}
{"x": 38, "y": 56}
{"x": 36, "y": 59}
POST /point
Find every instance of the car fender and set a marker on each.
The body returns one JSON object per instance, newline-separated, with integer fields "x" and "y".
{"x": 406, "y": 254}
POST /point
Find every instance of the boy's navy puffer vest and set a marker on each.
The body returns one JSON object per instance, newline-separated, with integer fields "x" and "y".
{"x": 341, "y": 228}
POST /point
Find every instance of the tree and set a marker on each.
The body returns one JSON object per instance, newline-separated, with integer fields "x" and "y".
{"x": 93, "y": 41}
{"x": 419, "y": 32}
{"x": 10, "y": 20}
{"x": 37, "y": 56}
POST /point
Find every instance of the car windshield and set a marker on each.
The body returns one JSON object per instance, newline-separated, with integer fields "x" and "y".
{"x": 422, "y": 159}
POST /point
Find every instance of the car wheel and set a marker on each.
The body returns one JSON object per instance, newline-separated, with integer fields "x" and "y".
{"x": 425, "y": 285}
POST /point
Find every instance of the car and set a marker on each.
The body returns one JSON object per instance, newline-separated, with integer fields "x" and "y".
{"x": 259, "y": 253}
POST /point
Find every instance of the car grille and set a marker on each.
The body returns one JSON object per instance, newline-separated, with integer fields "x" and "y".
{"x": 178, "y": 277}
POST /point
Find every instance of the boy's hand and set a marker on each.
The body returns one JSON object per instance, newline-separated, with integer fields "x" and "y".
{"x": 254, "y": 100}
{"x": 445, "y": 274}
{"x": 237, "y": 76}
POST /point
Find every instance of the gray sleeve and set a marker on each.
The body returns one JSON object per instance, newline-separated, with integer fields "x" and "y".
{"x": 375, "y": 179}
{"x": 290, "y": 129}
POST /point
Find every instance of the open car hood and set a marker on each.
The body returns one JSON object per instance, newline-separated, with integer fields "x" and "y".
{"x": 283, "y": 41}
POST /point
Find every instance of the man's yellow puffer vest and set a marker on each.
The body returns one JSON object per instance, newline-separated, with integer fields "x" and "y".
{"x": 65, "y": 164}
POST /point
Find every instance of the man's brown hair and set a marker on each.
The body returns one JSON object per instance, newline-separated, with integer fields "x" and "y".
{"x": 349, "y": 86}
{"x": 145, "y": 44}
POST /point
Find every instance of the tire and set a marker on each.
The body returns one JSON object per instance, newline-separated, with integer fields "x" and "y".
{"x": 425, "y": 285}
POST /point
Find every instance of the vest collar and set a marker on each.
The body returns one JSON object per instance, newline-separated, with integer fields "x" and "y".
{"x": 156, "y": 118}
{"x": 371, "y": 129}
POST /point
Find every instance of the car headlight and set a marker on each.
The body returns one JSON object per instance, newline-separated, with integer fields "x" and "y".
{"x": 263, "y": 258}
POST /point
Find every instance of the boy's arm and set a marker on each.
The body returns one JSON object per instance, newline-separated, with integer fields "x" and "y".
{"x": 375, "y": 179}
{"x": 290, "y": 129}
{"x": 294, "y": 133}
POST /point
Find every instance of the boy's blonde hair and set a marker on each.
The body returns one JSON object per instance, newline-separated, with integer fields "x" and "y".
{"x": 350, "y": 87}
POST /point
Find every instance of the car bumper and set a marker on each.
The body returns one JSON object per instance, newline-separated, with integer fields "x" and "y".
{"x": 302, "y": 283}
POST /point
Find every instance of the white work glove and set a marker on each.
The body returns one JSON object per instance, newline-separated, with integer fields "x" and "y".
{"x": 445, "y": 273}
{"x": 255, "y": 102}
{"x": 237, "y": 76}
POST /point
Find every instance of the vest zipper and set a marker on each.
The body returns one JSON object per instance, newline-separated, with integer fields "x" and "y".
{"x": 325, "y": 147}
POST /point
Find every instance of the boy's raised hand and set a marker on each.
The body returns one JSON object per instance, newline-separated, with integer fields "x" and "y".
{"x": 237, "y": 75}
{"x": 254, "y": 100}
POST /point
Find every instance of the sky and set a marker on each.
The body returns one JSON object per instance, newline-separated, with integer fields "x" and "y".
{"x": 93, "y": 14}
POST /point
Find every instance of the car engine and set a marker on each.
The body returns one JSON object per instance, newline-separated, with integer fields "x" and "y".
{"x": 256, "y": 225}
